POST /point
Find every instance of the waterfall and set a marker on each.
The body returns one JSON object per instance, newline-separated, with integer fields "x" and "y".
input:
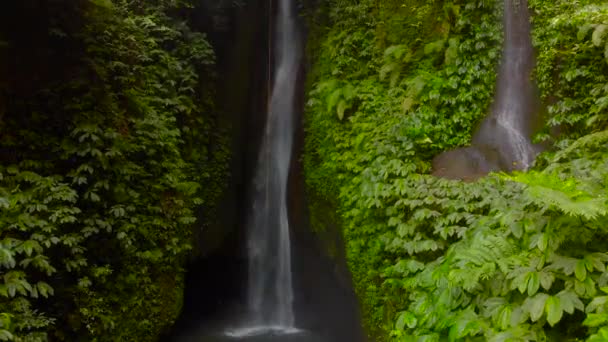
{"x": 270, "y": 289}
{"x": 503, "y": 140}
{"x": 508, "y": 128}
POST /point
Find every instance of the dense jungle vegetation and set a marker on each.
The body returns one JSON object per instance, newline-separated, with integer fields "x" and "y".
{"x": 112, "y": 156}
{"x": 110, "y": 151}
{"x": 518, "y": 257}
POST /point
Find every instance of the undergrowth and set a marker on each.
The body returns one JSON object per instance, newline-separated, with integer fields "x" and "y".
{"x": 103, "y": 174}
{"x": 516, "y": 257}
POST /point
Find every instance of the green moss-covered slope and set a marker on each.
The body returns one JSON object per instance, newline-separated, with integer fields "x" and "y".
{"x": 507, "y": 258}
{"x": 109, "y": 149}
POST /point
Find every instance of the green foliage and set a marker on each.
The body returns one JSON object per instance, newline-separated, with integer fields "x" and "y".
{"x": 105, "y": 177}
{"x": 406, "y": 81}
{"x": 572, "y": 63}
{"x": 526, "y": 261}
{"x": 509, "y": 258}
{"x": 32, "y": 205}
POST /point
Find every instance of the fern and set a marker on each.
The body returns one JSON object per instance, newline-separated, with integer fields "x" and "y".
{"x": 570, "y": 196}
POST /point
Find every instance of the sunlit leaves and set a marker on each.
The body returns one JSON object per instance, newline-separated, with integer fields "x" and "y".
{"x": 599, "y": 34}
{"x": 596, "y": 320}
{"x": 600, "y": 336}
{"x": 554, "y": 310}
{"x": 598, "y": 304}
{"x": 6, "y": 335}
{"x": 406, "y": 319}
{"x": 567, "y": 195}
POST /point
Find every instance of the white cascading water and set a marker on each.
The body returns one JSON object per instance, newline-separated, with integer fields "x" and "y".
{"x": 270, "y": 288}
{"x": 508, "y": 128}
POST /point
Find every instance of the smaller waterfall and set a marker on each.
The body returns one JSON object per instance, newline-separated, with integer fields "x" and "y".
{"x": 503, "y": 140}
{"x": 508, "y": 128}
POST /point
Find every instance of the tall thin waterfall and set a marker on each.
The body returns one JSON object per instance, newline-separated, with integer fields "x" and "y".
{"x": 270, "y": 278}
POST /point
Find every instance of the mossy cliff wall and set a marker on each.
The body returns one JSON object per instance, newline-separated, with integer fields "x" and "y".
{"x": 391, "y": 84}
{"x": 112, "y": 155}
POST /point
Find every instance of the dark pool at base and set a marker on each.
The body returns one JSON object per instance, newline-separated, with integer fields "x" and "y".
{"x": 302, "y": 336}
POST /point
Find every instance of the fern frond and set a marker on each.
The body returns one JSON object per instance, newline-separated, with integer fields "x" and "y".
{"x": 568, "y": 195}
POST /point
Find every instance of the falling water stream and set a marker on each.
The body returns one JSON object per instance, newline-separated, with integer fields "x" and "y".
{"x": 270, "y": 277}
{"x": 508, "y": 128}
{"x": 270, "y": 290}
{"x": 293, "y": 292}
{"x": 503, "y": 140}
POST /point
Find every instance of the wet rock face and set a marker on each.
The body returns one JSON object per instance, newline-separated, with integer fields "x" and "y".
{"x": 468, "y": 163}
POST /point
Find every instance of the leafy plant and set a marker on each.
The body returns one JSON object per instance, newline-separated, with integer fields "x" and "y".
{"x": 508, "y": 258}
{"x": 112, "y": 155}
{"x": 368, "y": 163}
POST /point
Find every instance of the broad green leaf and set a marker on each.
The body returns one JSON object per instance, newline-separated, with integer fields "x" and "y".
{"x": 406, "y": 319}
{"x": 595, "y": 320}
{"x": 433, "y": 47}
{"x": 522, "y": 282}
{"x": 543, "y": 242}
{"x": 6, "y": 335}
{"x": 598, "y": 34}
{"x": 566, "y": 264}
{"x": 597, "y": 303}
{"x": 451, "y": 53}
{"x": 533, "y": 284}
{"x": 580, "y": 271}
{"x": 535, "y": 306}
{"x": 45, "y": 289}
{"x": 600, "y": 336}
{"x": 407, "y": 104}
{"x": 570, "y": 301}
{"x": 30, "y": 246}
{"x": 333, "y": 99}
{"x": 7, "y": 259}
{"x": 504, "y": 317}
{"x": 342, "y": 106}
{"x": 546, "y": 279}
{"x": 554, "y": 310}
{"x": 463, "y": 328}
{"x": 596, "y": 261}
{"x": 519, "y": 316}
